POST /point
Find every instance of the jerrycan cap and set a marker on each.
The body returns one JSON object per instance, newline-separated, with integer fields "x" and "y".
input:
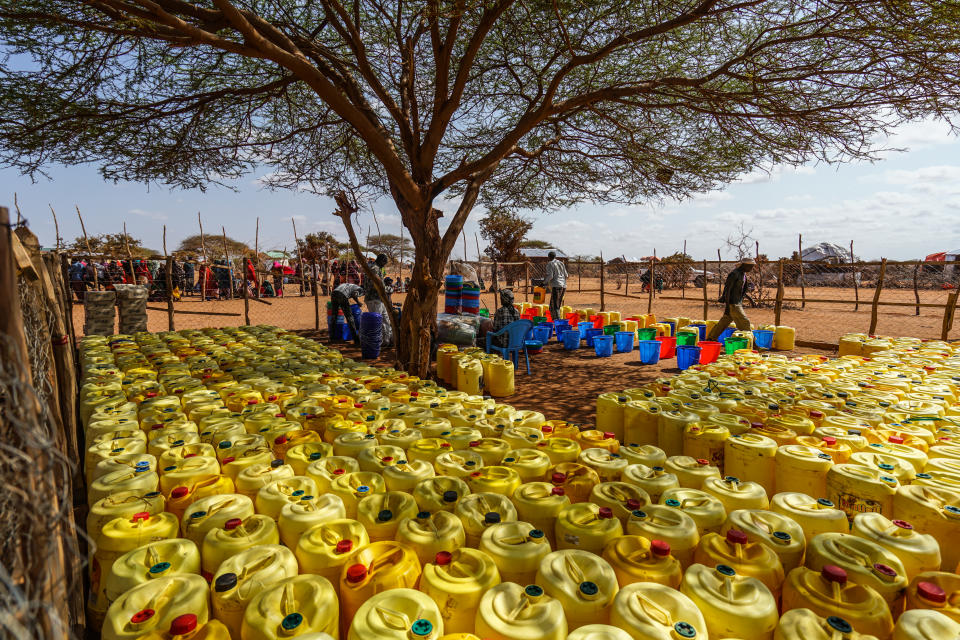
{"x": 685, "y": 630}
{"x": 443, "y": 558}
{"x": 225, "y": 582}
{"x": 884, "y": 466}
{"x": 534, "y": 591}
{"x": 224, "y": 444}
{"x": 421, "y": 627}
{"x": 387, "y": 459}
{"x": 558, "y": 477}
{"x": 829, "y": 440}
{"x": 605, "y": 513}
{"x": 833, "y": 573}
{"x": 903, "y": 524}
{"x": 731, "y": 479}
{"x": 703, "y": 462}
{"x": 450, "y": 496}
{"x": 931, "y": 591}
{"x": 952, "y": 509}
{"x": 182, "y": 625}
{"x": 535, "y": 534}
{"x": 423, "y": 515}
{"x": 657, "y": 468}
{"x": 546, "y": 429}
{"x": 142, "y": 616}
{"x": 824, "y": 456}
{"x": 291, "y": 621}
{"x": 281, "y": 439}
{"x": 160, "y": 567}
{"x": 875, "y": 445}
{"x": 232, "y": 524}
{"x": 672, "y": 502}
{"x": 725, "y": 570}
{"x": 472, "y": 463}
{"x": 343, "y": 546}
{"x": 491, "y": 517}
{"x": 816, "y": 414}
{"x": 633, "y": 504}
{"x": 823, "y": 502}
{"x": 474, "y": 443}
{"x": 924, "y": 476}
{"x": 638, "y": 514}
{"x": 356, "y": 573}
{"x": 138, "y": 468}
{"x": 276, "y": 462}
{"x": 660, "y": 548}
{"x": 228, "y": 460}
{"x": 735, "y": 536}
{"x": 895, "y": 439}
{"x": 558, "y": 491}
{"x": 385, "y": 515}
{"x": 888, "y": 479}
{"x": 609, "y": 435}
{"x": 140, "y": 515}
{"x": 782, "y": 536}
{"x": 839, "y": 624}
{"x": 589, "y": 589}
{"x": 298, "y": 493}
{"x": 885, "y": 571}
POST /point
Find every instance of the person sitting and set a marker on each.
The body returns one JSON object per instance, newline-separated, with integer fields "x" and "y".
{"x": 506, "y": 314}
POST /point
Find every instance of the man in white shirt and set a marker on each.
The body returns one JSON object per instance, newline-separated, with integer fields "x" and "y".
{"x": 341, "y": 302}
{"x": 556, "y": 284}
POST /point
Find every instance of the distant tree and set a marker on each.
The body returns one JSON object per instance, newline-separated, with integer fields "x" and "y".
{"x": 320, "y": 246}
{"x": 111, "y": 245}
{"x": 214, "y": 245}
{"x": 675, "y": 269}
{"x": 504, "y": 232}
{"x": 741, "y": 243}
{"x": 390, "y": 245}
{"x": 537, "y": 244}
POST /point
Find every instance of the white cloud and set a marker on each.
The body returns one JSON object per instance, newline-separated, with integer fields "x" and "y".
{"x": 153, "y": 215}
{"x": 918, "y": 135}
{"x": 710, "y": 198}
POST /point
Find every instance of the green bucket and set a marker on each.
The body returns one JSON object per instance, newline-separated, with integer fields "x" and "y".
{"x": 539, "y": 319}
{"x": 686, "y": 338}
{"x": 485, "y": 313}
{"x": 611, "y": 329}
{"x": 733, "y": 344}
{"x": 647, "y": 333}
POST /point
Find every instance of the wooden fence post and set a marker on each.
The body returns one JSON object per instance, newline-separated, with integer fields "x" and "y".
{"x": 948, "y": 313}
{"x": 316, "y": 295}
{"x": 719, "y": 274}
{"x": 579, "y": 274}
{"x": 856, "y": 286}
{"x": 246, "y": 293}
{"x": 602, "y": 284}
{"x": 916, "y": 289}
{"x": 169, "y": 275}
{"x": 626, "y": 283}
{"x": 650, "y": 287}
{"x": 803, "y": 290}
{"x": 705, "y": 305}
{"x": 683, "y": 271}
{"x": 226, "y": 258}
{"x": 778, "y": 307}
{"x": 526, "y": 281}
{"x": 126, "y": 243}
{"x": 876, "y": 297}
{"x": 206, "y": 263}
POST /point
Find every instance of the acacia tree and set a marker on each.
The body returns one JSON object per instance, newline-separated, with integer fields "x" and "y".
{"x": 520, "y": 104}
{"x": 391, "y": 245}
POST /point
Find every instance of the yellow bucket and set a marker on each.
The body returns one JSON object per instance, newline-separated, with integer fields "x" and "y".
{"x": 582, "y": 582}
{"x": 301, "y": 605}
{"x": 733, "y": 605}
{"x": 456, "y": 581}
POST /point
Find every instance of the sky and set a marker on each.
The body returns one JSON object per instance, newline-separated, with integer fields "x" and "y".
{"x": 904, "y": 206}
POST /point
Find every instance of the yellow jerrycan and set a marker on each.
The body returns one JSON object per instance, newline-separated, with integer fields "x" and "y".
{"x": 212, "y": 512}
{"x": 399, "y": 437}
{"x": 670, "y": 428}
{"x": 406, "y": 475}
{"x": 676, "y": 528}
{"x": 307, "y": 512}
{"x": 705, "y": 441}
{"x": 733, "y": 605}
{"x": 272, "y": 497}
{"x": 509, "y": 611}
{"x": 520, "y": 437}
{"x": 154, "y": 605}
{"x": 560, "y": 449}
{"x": 599, "y": 632}
{"x": 530, "y": 464}
{"x": 747, "y": 558}
{"x": 459, "y": 636}
{"x": 539, "y": 503}
{"x": 647, "y": 610}
{"x": 235, "y": 536}
{"x": 837, "y": 450}
{"x": 516, "y": 549}
{"x": 325, "y": 548}
{"x": 637, "y": 559}
{"x": 645, "y": 454}
{"x": 901, "y": 469}
{"x": 814, "y": 515}
{"x": 188, "y": 626}
{"x": 300, "y": 456}
{"x": 583, "y": 582}
{"x": 640, "y": 420}
{"x": 241, "y": 577}
{"x": 917, "y": 551}
{"x": 381, "y": 513}
{"x": 141, "y": 479}
{"x": 802, "y": 469}
{"x": 124, "y": 461}
{"x": 922, "y": 624}
{"x": 778, "y": 532}
{"x": 301, "y": 606}
{"x": 622, "y": 498}
{"x": 427, "y": 449}
{"x": 595, "y": 438}
{"x": 470, "y": 376}
{"x": 478, "y": 511}
{"x": 149, "y": 562}
{"x": 495, "y": 479}
{"x": 828, "y": 593}
{"x": 933, "y": 511}
{"x": 587, "y": 527}
{"x": 706, "y": 510}
{"x": 935, "y": 590}
{"x": 608, "y": 465}
{"x": 500, "y": 378}
{"x": 378, "y": 458}
{"x": 654, "y": 480}
{"x": 440, "y": 493}
{"x": 430, "y": 533}
{"x": 577, "y": 480}
{"x": 610, "y": 408}
{"x": 376, "y": 567}
{"x": 122, "y": 505}
{"x": 751, "y": 458}
{"x": 857, "y": 489}
{"x": 803, "y": 624}
{"x": 350, "y": 444}
{"x": 354, "y": 487}
{"x": 397, "y": 614}
{"x": 492, "y": 450}
{"x": 735, "y": 494}
{"x": 800, "y": 425}
{"x": 456, "y": 581}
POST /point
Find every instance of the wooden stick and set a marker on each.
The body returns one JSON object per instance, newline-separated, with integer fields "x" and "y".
{"x": 256, "y": 259}
{"x": 165, "y": 241}
{"x": 86, "y": 241}
{"x": 56, "y": 224}
{"x": 916, "y": 290}
{"x": 206, "y": 265}
{"x": 603, "y": 302}
{"x": 876, "y": 297}
{"x": 705, "y": 305}
{"x": 126, "y": 243}
{"x": 526, "y": 285}
{"x": 759, "y": 273}
{"x": 651, "y": 285}
{"x": 579, "y": 274}
{"x": 169, "y": 276}
{"x": 626, "y": 281}
{"x": 949, "y": 312}
{"x": 246, "y": 294}
{"x": 856, "y": 287}
{"x": 803, "y": 289}
{"x": 683, "y": 271}
{"x": 316, "y": 295}
{"x": 303, "y": 273}
{"x": 719, "y": 274}
{"x": 16, "y": 205}
{"x": 199, "y": 313}
{"x": 463, "y": 235}
{"x": 226, "y": 257}
{"x": 778, "y": 307}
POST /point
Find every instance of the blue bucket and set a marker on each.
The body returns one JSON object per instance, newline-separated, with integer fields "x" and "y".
{"x": 702, "y": 328}
{"x": 763, "y": 338}
{"x": 559, "y": 326}
{"x": 624, "y": 341}
{"x": 687, "y": 356}
{"x": 603, "y": 346}
{"x": 726, "y": 333}
{"x": 541, "y": 333}
{"x": 649, "y": 351}
{"x": 583, "y": 327}
{"x": 673, "y": 327}
{"x": 533, "y": 346}
{"x": 571, "y": 340}
{"x": 593, "y": 333}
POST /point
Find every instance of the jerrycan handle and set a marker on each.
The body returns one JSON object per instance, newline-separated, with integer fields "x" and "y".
{"x": 288, "y": 600}
{"x": 655, "y": 611}
{"x": 152, "y": 557}
{"x": 760, "y": 523}
{"x": 395, "y": 619}
{"x": 573, "y": 570}
{"x": 255, "y": 566}
{"x": 858, "y": 556}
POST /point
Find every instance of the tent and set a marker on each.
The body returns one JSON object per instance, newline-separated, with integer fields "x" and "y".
{"x": 826, "y": 252}
{"x": 944, "y": 256}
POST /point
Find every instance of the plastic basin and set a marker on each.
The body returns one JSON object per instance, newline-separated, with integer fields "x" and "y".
{"x": 593, "y": 333}
{"x": 559, "y": 326}
{"x": 533, "y": 346}
{"x": 611, "y": 329}
{"x": 571, "y": 340}
{"x": 647, "y": 333}
{"x": 687, "y": 356}
{"x": 583, "y": 327}
{"x": 603, "y": 346}
{"x": 709, "y": 351}
{"x": 763, "y": 338}
{"x": 541, "y": 333}
{"x": 649, "y": 351}
{"x": 668, "y": 347}
{"x": 726, "y": 333}
{"x": 732, "y": 344}
{"x": 624, "y": 341}
{"x": 685, "y": 338}
{"x": 539, "y": 319}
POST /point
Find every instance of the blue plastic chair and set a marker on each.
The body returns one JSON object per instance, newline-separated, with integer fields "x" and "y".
{"x": 517, "y": 332}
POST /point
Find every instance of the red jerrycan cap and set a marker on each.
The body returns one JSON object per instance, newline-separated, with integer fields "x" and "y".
{"x": 357, "y": 572}
{"x": 140, "y": 515}
{"x": 232, "y": 524}
{"x": 884, "y": 570}
{"x": 281, "y": 439}
{"x": 660, "y": 548}
{"x": 829, "y": 440}
{"x": 182, "y": 625}
{"x": 344, "y": 546}
{"x": 703, "y": 462}
{"x": 903, "y": 524}
{"x": 443, "y": 558}
{"x": 633, "y": 504}
{"x": 931, "y": 591}
{"x": 558, "y": 477}
{"x": 558, "y": 491}
{"x": 609, "y": 435}
{"x": 833, "y": 573}
{"x": 735, "y": 536}
{"x": 895, "y": 439}
{"x": 142, "y": 616}
{"x": 474, "y": 443}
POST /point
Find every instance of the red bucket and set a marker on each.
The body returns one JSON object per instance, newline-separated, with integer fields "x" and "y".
{"x": 597, "y": 322}
{"x": 709, "y": 351}
{"x": 573, "y": 319}
{"x": 668, "y": 347}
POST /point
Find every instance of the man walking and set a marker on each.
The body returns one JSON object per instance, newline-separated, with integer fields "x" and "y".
{"x": 341, "y": 302}
{"x": 733, "y": 291}
{"x": 556, "y": 283}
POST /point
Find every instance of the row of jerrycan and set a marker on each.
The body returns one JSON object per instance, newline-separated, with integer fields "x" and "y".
{"x": 475, "y": 372}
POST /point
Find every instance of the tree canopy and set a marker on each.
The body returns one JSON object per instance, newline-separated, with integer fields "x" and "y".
{"x": 111, "y": 245}
{"x": 321, "y": 245}
{"x": 530, "y": 104}
{"x": 504, "y": 232}
{"x": 537, "y": 244}
{"x": 390, "y": 245}
{"x": 214, "y": 246}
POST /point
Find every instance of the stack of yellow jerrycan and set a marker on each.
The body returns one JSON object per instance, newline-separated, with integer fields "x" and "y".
{"x": 250, "y": 484}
